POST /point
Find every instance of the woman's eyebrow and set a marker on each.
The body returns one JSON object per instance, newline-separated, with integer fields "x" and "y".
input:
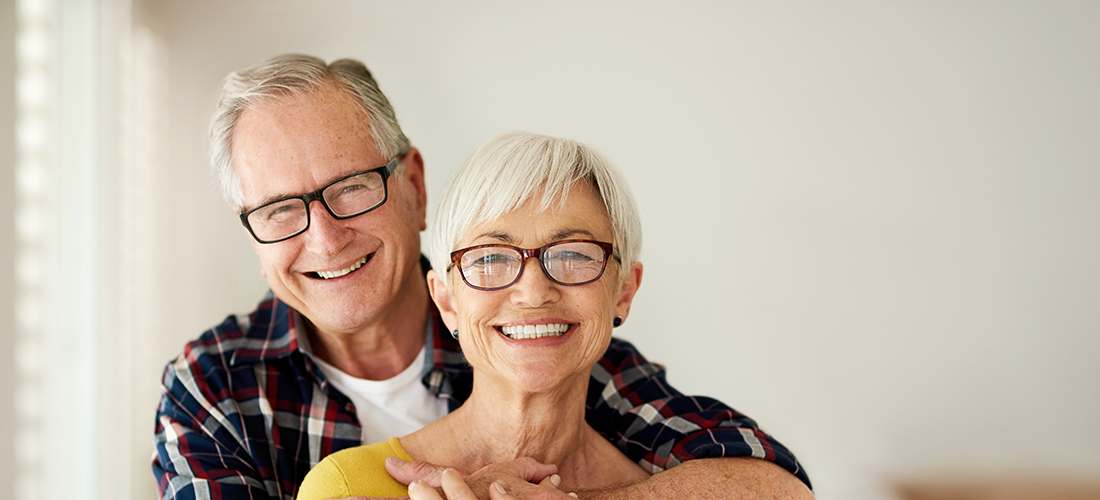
{"x": 497, "y": 235}
{"x": 562, "y": 234}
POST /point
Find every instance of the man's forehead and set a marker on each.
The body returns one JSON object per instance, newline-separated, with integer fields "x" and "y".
{"x": 294, "y": 144}
{"x": 329, "y": 96}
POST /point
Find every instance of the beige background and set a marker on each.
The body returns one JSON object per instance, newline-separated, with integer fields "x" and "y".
{"x": 872, "y": 227}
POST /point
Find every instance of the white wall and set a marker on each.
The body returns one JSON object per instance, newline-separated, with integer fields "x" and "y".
{"x": 7, "y": 247}
{"x": 872, "y": 227}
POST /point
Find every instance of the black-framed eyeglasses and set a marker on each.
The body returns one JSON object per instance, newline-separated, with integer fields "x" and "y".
{"x": 497, "y": 266}
{"x": 344, "y": 198}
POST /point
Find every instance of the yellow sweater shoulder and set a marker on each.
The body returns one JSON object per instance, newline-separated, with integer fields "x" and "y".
{"x": 356, "y": 471}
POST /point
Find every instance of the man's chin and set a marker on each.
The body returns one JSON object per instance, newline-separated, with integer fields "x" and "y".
{"x": 325, "y": 304}
{"x": 329, "y": 322}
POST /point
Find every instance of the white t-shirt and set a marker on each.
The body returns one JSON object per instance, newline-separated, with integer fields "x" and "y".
{"x": 387, "y": 408}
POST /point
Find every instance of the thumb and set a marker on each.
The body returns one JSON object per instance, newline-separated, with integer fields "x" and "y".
{"x": 532, "y": 470}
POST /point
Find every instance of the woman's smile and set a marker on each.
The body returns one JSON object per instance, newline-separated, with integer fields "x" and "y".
{"x": 519, "y": 332}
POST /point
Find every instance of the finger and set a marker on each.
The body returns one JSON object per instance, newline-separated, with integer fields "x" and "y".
{"x": 417, "y": 470}
{"x": 532, "y": 470}
{"x": 497, "y": 492}
{"x": 553, "y": 480}
{"x": 455, "y": 487}
{"x": 420, "y": 490}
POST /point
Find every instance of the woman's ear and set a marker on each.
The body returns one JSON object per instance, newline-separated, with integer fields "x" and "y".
{"x": 630, "y": 285}
{"x": 442, "y": 297}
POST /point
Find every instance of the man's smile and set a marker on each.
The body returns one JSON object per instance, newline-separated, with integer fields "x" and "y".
{"x": 341, "y": 272}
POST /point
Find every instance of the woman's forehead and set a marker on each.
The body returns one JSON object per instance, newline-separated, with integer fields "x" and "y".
{"x": 580, "y": 215}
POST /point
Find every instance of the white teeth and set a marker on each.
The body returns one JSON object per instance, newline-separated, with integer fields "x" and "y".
{"x": 534, "y": 331}
{"x": 336, "y": 274}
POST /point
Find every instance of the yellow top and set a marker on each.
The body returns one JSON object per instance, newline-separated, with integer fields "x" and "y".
{"x": 356, "y": 471}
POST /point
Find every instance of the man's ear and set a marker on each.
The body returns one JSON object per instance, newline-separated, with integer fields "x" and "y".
{"x": 442, "y": 297}
{"x": 414, "y": 172}
{"x": 630, "y": 286}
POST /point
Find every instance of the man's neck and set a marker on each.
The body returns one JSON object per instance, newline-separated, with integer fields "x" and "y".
{"x": 386, "y": 346}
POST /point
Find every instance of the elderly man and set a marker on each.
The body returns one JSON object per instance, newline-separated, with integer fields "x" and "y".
{"x": 348, "y": 348}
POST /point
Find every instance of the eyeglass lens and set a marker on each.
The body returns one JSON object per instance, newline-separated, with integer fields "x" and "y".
{"x": 344, "y": 198}
{"x": 570, "y": 263}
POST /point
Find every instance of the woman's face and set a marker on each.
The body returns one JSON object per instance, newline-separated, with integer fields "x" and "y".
{"x": 578, "y": 318}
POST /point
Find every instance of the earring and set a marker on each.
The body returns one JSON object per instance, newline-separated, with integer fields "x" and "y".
{"x": 454, "y": 333}
{"x": 618, "y": 321}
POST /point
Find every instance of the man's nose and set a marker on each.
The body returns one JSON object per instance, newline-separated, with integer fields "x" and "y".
{"x": 326, "y": 235}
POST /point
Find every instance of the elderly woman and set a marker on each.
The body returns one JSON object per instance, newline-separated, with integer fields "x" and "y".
{"x": 533, "y": 250}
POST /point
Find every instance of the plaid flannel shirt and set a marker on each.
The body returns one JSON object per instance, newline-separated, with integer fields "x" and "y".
{"x": 245, "y": 413}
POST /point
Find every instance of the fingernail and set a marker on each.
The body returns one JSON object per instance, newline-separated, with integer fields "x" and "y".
{"x": 393, "y": 460}
{"x": 414, "y": 484}
{"x": 556, "y": 479}
{"x": 574, "y": 495}
{"x": 500, "y": 489}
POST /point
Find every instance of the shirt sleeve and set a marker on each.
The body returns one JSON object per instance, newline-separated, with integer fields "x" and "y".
{"x": 198, "y": 451}
{"x": 358, "y": 471}
{"x": 632, "y": 405}
{"x": 326, "y": 480}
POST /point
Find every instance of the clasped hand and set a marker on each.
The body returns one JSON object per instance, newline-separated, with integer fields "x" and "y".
{"x": 522, "y": 478}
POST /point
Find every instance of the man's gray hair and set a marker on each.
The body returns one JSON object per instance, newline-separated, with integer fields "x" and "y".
{"x": 513, "y": 167}
{"x": 292, "y": 75}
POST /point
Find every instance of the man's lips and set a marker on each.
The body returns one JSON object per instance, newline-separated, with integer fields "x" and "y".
{"x": 341, "y": 272}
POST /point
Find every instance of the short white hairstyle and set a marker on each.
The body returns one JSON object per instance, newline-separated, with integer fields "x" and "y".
{"x": 292, "y": 75}
{"x": 511, "y": 168}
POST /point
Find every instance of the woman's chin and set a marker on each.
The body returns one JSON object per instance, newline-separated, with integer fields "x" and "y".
{"x": 536, "y": 377}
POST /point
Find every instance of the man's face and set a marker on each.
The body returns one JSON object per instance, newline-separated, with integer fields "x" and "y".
{"x": 299, "y": 144}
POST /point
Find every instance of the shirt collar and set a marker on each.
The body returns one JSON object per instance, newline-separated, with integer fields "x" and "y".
{"x": 266, "y": 334}
{"x": 272, "y": 332}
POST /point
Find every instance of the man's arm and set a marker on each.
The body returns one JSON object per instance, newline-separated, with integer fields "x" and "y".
{"x": 712, "y": 478}
{"x": 632, "y": 405}
{"x": 198, "y": 455}
{"x": 695, "y": 446}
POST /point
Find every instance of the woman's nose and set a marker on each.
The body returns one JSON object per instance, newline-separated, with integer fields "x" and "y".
{"x": 534, "y": 288}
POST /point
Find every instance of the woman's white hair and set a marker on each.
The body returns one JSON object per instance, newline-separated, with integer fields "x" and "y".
{"x": 511, "y": 168}
{"x": 291, "y": 75}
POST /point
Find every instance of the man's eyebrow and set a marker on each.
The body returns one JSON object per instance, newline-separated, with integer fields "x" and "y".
{"x": 284, "y": 195}
{"x": 270, "y": 199}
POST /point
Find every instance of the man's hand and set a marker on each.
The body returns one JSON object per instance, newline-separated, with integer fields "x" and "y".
{"x": 455, "y": 488}
{"x": 418, "y": 470}
{"x": 515, "y": 479}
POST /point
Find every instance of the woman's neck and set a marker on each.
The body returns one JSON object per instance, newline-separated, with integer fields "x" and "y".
{"x": 499, "y": 423}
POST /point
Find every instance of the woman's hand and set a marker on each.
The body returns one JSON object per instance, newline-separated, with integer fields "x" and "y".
{"x": 514, "y": 476}
{"x": 455, "y": 488}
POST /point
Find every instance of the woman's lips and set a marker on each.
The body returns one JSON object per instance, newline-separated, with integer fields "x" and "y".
{"x": 519, "y": 332}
